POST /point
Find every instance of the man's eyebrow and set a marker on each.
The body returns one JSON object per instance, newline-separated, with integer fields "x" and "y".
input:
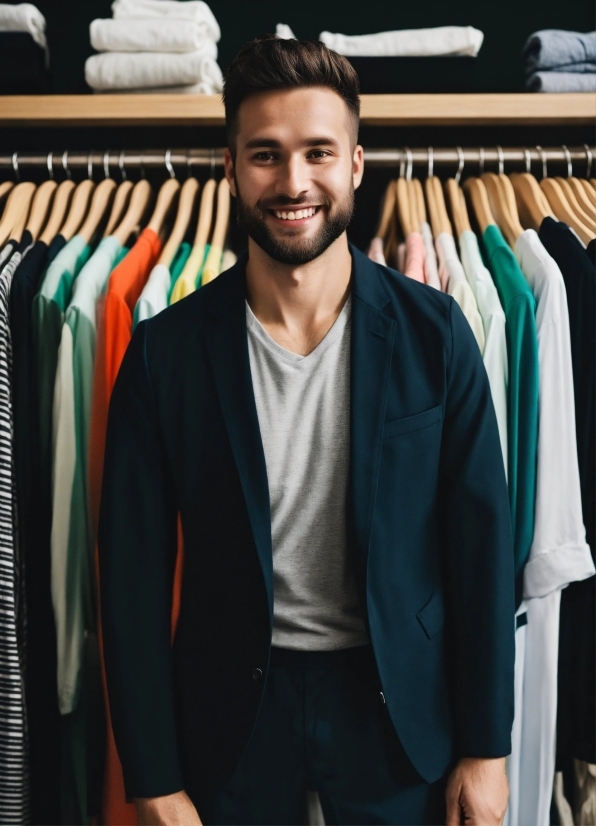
{"x": 272, "y": 143}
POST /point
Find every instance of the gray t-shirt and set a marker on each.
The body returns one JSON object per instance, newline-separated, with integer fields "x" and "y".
{"x": 303, "y": 406}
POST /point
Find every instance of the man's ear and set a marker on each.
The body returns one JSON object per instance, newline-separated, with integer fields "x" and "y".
{"x": 229, "y": 171}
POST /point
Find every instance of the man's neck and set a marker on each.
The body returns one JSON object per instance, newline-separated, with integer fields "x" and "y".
{"x": 299, "y": 305}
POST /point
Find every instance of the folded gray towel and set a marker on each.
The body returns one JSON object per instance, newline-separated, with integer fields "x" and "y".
{"x": 576, "y": 68}
{"x": 561, "y": 82}
{"x": 552, "y": 48}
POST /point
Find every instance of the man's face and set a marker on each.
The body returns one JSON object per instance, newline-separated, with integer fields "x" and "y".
{"x": 295, "y": 171}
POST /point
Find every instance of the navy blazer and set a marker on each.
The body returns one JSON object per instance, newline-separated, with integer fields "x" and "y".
{"x": 429, "y": 534}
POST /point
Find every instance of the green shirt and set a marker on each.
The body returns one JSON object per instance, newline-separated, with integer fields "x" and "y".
{"x": 519, "y": 306}
{"x": 178, "y": 264}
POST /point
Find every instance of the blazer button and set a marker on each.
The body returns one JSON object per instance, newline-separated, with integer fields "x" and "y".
{"x": 257, "y": 673}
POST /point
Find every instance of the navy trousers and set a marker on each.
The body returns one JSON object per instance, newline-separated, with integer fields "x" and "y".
{"x": 323, "y": 726}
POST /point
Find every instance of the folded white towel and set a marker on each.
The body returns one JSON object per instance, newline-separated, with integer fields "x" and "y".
{"x": 128, "y": 70}
{"x": 24, "y": 17}
{"x": 195, "y": 10}
{"x": 150, "y": 36}
{"x": 195, "y": 89}
{"x": 443, "y": 40}
{"x": 284, "y": 32}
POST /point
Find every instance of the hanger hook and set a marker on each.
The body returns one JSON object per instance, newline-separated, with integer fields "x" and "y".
{"x": 431, "y": 161}
{"x": 409, "y": 163}
{"x": 588, "y": 159}
{"x": 402, "y": 163}
{"x": 168, "y": 162}
{"x": 528, "y": 160}
{"x": 481, "y": 160}
{"x": 65, "y": 164}
{"x": 142, "y": 163}
{"x": 188, "y": 169}
{"x": 460, "y": 168}
{"x": 569, "y": 163}
{"x": 106, "y": 163}
{"x": 501, "y": 156}
{"x": 50, "y": 165}
{"x": 15, "y": 165}
{"x": 121, "y": 165}
{"x": 90, "y": 165}
{"x": 543, "y": 157}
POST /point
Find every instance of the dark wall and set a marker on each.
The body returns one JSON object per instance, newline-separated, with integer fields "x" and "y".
{"x": 498, "y": 68}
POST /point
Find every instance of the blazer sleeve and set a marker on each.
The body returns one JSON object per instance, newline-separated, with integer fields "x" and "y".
{"x": 478, "y": 555}
{"x": 137, "y": 553}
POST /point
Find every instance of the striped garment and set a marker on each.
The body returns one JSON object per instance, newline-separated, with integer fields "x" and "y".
{"x": 14, "y": 770}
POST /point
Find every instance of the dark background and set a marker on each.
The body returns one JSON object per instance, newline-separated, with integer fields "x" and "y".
{"x": 498, "y": 68}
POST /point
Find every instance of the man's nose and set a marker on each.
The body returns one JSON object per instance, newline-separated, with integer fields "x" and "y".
{"x": 294, "y": 178}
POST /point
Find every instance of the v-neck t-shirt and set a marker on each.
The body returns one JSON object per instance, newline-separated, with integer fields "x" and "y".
{"x": 303, "y": 407}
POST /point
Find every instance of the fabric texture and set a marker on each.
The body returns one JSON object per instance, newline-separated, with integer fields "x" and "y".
{"x": 183, "y": 434}
{"x": 128, "y": 70}
{"x": 442, "y": 40}
{"x": 154, "y": 297}
{"x": 431, "y": 266}
{"x": 415, "y": 255}
{"x": 151, "y": 35}
{"x": 557, "y": 82}
{"x": 322, "y": 723}
{"x": 195, "y": 11}
{"x": 301, "y": 401}
{"x": 14, "y": 753}
{"x": 550, "y": 48}
{"x": 453, "y": 280}
{"x": 519, "y": 306}
{"x": 187, "y": 281}
{"x": 576, "y": 723}
{"x": 493, "y": 320}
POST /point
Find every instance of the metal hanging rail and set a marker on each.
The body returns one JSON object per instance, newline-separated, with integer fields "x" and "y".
{"x": 108, "y": 163}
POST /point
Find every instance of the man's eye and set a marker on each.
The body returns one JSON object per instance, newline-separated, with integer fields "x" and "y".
{"x": 317, "y": 154}
{"x": 263, "y": 156}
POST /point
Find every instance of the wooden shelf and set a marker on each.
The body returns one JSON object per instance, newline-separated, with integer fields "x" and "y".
{"x": 377, "y": 110}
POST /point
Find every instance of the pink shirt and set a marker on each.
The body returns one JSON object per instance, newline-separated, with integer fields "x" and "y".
{"x": 375, "y": 251}
{"x": 415, "y": 256}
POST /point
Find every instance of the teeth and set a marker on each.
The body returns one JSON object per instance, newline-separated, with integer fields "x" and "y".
{"x": 297, "y": 214}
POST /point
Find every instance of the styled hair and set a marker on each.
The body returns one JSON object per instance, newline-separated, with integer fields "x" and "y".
{"x": 268, "y": 62}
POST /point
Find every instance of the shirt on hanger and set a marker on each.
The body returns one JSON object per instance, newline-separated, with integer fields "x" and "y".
{"x": 178, "y": 264}
{"x": 453, "y": 281}
{"x": 431, "y": 267}
{"x": 375, "y": 251}
{"x": 154, "y": 297}
{"x": 414, "y": 264}
{"x": 519, "y": 306}
{"x": 493, "y": 320}
{"x": 188, "y": 279}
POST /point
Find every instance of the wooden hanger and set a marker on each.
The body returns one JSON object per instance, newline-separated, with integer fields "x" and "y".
{"x": 197, "y": 255}
{"x": 590, "y": 193}
{"x": 5, "y": 188}
{"x": 222, "y": 220}
{"x": 457, "y": 204}
{"x": 16, "y": 212}
{"x": 41, "y": 206}
{"x": 560, "y": 206}
{"x": 121, "y": 201}
{"x": 79, "y": 206}
{"x": 402, "y": 203}
{"x": 186, "y": 203}
{"x": 413, "y": 199}
{"x": 532, "y": 205}
{"x": 60, "y": 204}
{"x": 138, "y": 205}
{"x": 444, "y": 221}
{"x": 166, "y": 197}
{"x": 387, "y": 211}
{"x": 499, "y": 208}
{"x": 581, "y": 214}
{"x": 100, "y": 203}
{"x": 476, "y": 192}
{"x": 585, "y": 197}
{"x": 507, "y": 186}
{"x": 419, "y": 193}
{"x": 431, "y": 202}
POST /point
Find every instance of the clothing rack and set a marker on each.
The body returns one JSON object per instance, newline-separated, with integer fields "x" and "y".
{"x": 578, "y": 159}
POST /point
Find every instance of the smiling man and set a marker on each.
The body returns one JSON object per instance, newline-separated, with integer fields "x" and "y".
{"x": 324, "y": 427}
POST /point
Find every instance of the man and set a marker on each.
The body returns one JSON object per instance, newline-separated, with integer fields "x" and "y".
{"x": 325, "y": 429}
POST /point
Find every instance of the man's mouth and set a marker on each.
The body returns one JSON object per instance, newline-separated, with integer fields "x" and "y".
{"x": 295, "y": 214}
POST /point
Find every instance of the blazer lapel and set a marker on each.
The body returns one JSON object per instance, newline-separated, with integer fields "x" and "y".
{"x": 371, "y": 347}
{"x": 228, "y": 350}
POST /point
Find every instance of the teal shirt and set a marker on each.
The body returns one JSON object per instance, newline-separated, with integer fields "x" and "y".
{"x": 178, "y": 264}
{"x": 519, "y": 307}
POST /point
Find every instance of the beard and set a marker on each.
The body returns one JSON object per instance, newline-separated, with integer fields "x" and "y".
{"x": 292, "y": 249}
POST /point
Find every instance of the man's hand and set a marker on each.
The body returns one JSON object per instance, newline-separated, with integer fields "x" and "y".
{"x": 477, "y": 792}
{"x": 170, "y": 810}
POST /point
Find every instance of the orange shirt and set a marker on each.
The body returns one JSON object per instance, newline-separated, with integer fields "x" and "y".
{"x": 114, "y": 331}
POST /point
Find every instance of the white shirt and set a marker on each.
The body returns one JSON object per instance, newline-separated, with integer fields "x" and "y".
{"x": 453, "y": 280}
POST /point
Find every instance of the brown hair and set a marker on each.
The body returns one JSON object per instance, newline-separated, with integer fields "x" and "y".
{"x": 268, "y": 63}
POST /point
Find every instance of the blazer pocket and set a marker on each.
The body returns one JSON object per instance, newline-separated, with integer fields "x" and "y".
{"x": 432, "y": 616}
{"x": 397, "y": 427}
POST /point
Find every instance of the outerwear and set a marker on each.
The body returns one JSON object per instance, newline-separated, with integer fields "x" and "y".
{"x": 134, "y": 70}
{"x": 550, "y": 48}
{"x": 196, "y": 11}
{"x": 151, "y": 35}
{"x": 442, "y": 40}
{"x": 322, "y": 724}
{"x": 435, "y": 582}
{"x": 557, "y": 82}
{"x": 519, "y": 306}
{"x": 576, "y": 720}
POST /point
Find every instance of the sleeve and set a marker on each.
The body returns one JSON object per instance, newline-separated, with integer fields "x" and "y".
{"x": 478, "y": 555}
{"x": 137, "y": 551}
